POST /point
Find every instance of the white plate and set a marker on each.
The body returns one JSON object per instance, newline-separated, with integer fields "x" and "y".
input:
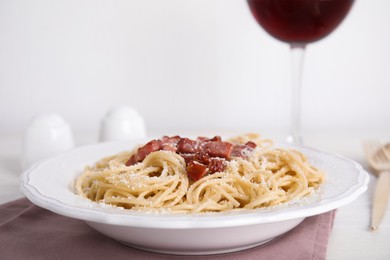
{"x": 49, "y": 184}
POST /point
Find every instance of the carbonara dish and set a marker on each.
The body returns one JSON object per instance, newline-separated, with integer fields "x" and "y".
{"x": 182, "y": 175}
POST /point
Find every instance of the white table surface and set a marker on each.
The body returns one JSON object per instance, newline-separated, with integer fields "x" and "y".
{"x": 351, "y": 237}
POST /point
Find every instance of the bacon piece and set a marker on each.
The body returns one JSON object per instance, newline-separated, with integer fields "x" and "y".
{"x": 217, "y": 165}
{"x": 251, "y": 144}
{"x": 238, "y": 151}
{"x": 186, "y": 145}
{"x": 216, "y": 138}
{"x": 188, "y": 157}
{"x": 218, "y": 149}
{"x": 173, "y": 140}
{"x": 244, "y": 150}
{"x": 201, "y": 157}
{"x": 202, "y": 139}
{"x": 144, "y": 151}
{"x": 196, "y": 170}
{"x": 170, "y": 143}
{"x": 168, "y": 147}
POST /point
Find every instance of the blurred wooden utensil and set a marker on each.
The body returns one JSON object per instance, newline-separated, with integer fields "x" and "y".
{"x": 378, "y": 156}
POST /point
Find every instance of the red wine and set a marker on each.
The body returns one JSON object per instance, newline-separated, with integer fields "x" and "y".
{"x": 299, "y": 21}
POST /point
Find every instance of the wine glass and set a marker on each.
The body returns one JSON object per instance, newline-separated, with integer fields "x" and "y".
{"x": 298, "y": 22}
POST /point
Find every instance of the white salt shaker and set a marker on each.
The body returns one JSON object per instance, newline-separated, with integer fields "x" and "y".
{"x": 45, "y": 136}
{"x": 122, "y": 123}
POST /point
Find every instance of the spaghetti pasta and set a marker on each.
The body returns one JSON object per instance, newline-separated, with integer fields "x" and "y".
{"x": 267, "y": 176}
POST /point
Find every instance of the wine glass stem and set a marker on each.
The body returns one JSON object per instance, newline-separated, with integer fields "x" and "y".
{"x": 297, "y": 57}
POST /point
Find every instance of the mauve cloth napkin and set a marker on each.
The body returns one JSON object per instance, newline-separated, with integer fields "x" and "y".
{"x": 30, "y": 232}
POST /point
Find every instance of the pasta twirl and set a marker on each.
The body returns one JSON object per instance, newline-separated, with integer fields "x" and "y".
{"x": 265, "y": 177}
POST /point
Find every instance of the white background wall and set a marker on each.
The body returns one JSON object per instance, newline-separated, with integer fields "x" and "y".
{"x": 186, "y": 64}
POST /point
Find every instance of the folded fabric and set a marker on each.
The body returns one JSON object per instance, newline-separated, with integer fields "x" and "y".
{"x": 30, "y": 232}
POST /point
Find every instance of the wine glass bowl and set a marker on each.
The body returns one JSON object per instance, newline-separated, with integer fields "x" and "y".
{"x": 299, "y": 22}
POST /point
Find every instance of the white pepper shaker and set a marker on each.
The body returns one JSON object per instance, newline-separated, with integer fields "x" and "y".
{"x": 122, "y": 123}
{"x": 45, "y": 136}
